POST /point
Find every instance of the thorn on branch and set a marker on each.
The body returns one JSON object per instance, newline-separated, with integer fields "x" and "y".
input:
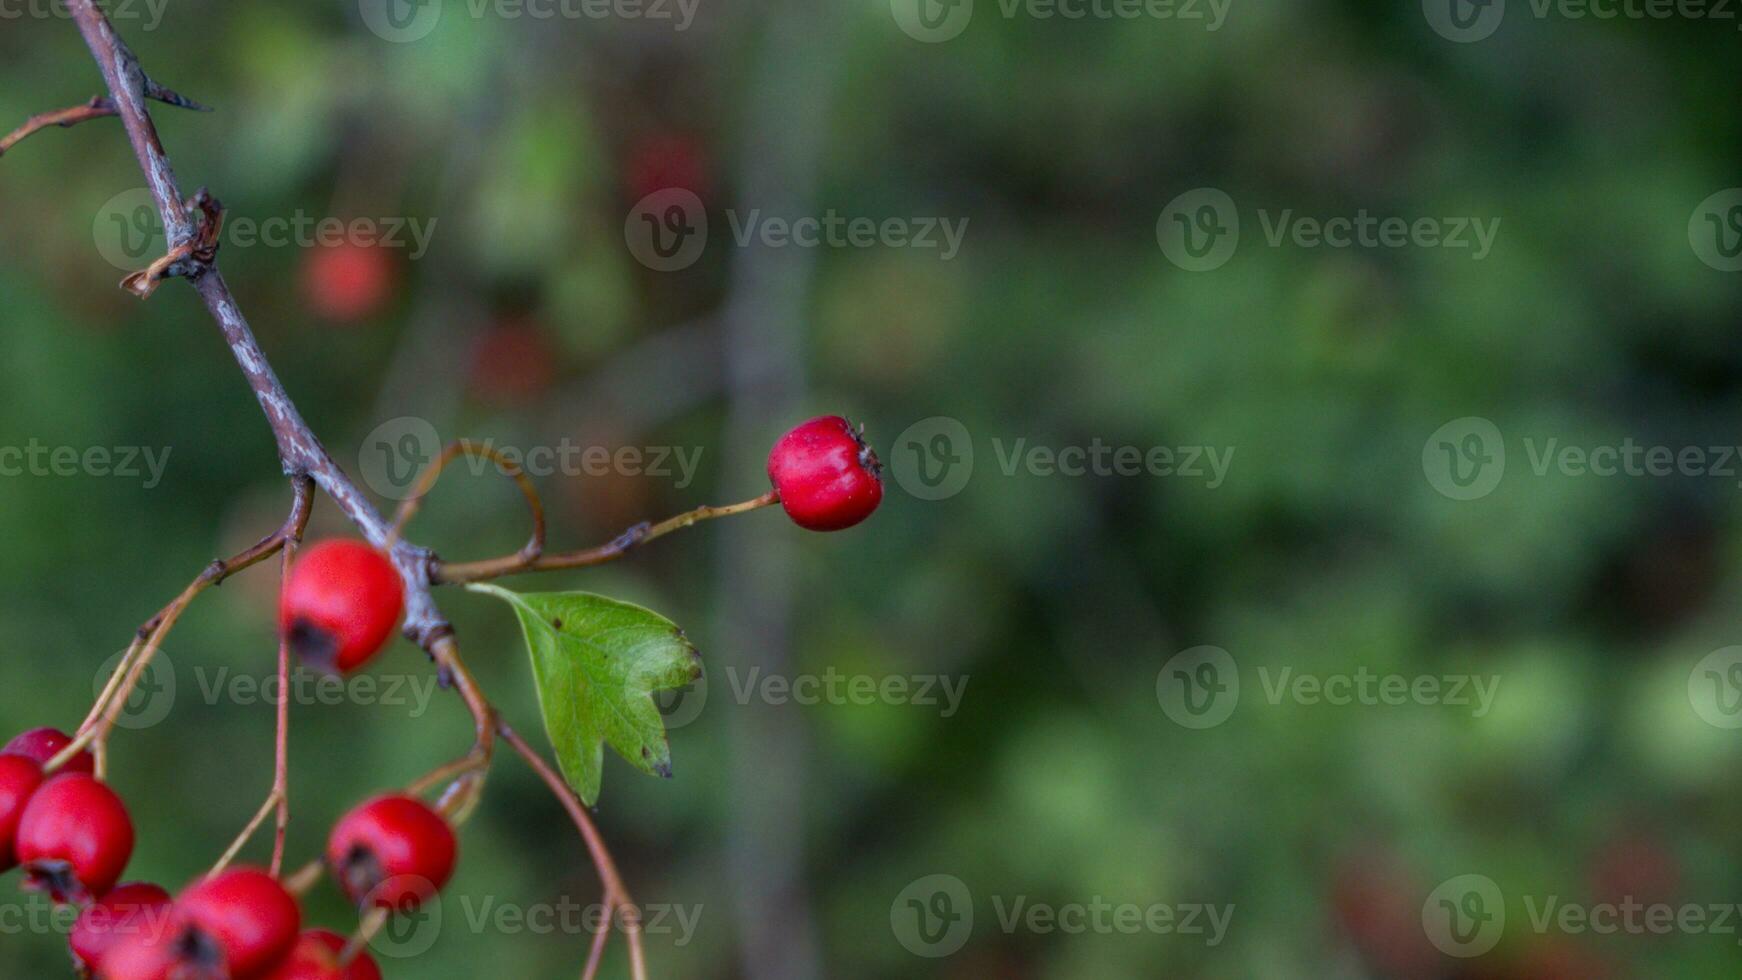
{"x": 190, "y": 259}
{"x": 171, "y": 97}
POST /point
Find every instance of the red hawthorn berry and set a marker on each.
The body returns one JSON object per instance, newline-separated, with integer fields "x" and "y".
{"x": 340, "y": 604}
{"x": 316, "y": 957}
{"x": 43, "y": 744}
{"x": 19, "y": 778}
{"x": 144, "y": 955}
{"x": 393, "y": 852}
{"x": 127, "y": 910}
{"x": 243, "y": 919}
{"x": 75, "y": 838}
{"x": 348, "y": 282}
{"x": 827, "y": 476}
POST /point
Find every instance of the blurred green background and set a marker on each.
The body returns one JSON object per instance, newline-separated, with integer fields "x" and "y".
{"x": 527, "y": 147}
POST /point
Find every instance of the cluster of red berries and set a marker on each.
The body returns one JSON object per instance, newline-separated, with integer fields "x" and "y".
{"x": 73, "y": 837}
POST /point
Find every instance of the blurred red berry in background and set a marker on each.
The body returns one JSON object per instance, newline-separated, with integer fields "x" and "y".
{"x": 348, "y": 282}
{"x": 665, "y": 160}
{"x": 512, "y": 362}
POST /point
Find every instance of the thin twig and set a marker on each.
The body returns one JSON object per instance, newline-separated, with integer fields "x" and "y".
{"x": 97, "y": 108}
{"x": 443, "y": 573}
{"x": 615, "y": 893}
{"x": 426, "y": 481}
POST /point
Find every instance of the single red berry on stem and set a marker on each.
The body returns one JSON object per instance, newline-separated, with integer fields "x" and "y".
{"x": 127, "y": 910}
{"x": 827, "y": 476}
{"x": 392, "y": 852}
{"x": 340, "y": 604}
{"x": 19, "y": 778}
{"x": 244, "y": 915}
{"x": 75, "y": 838}
{"x": 43, "y": 744}
{"x": 316, "y": 957}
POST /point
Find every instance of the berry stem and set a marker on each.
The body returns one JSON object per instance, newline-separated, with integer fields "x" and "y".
{"x": 482, "y": 571}
{"x": 465, "y": 447}
{"x": 94, "y": 732}
{"x": 616, "y": 895}
{"x": 241, "y": 840}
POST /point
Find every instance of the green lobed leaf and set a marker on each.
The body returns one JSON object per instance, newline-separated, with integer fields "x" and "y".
{"x": 597, "y": 662}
